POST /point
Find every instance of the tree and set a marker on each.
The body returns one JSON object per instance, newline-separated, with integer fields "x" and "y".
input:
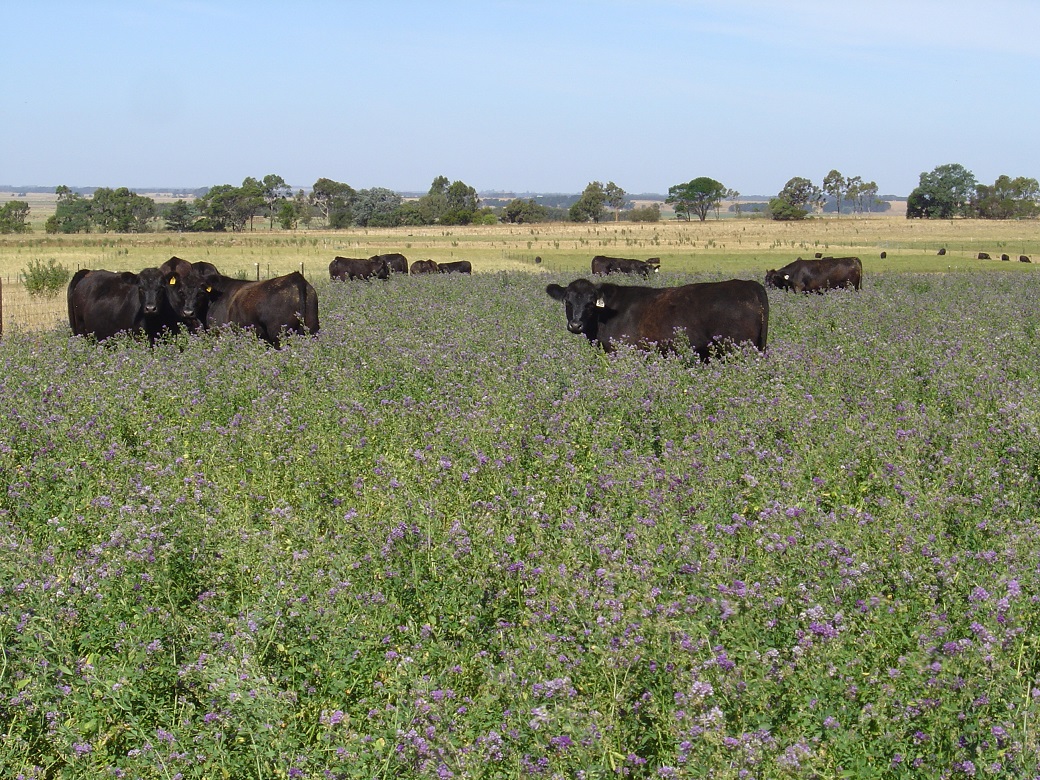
{"x": 13, "y": 217}
{"x": 72, "y": 213}
{"x": 734, "y": 196}
{"x": 519, "y": 211}
{"x": 799, "y": 192}
{"x": 1008, "y": 198}
{"x": 589, "y": 207}
{"x": 121, "y": 211}
{"x": 225, "y": 207}
{"x": 274, "y": 192}
{"x": 698, "y": 196}
{"x": 615, "y": 198}
{"x": 180, "y": 216}
{"x": 334, "y": 202}
{"x": 783, "y": 210}
{"x": 375, "y": 207}
{"x": 945, "y": 192}
{"x": 834, "y": 184}
{"x": 251, "y": 198}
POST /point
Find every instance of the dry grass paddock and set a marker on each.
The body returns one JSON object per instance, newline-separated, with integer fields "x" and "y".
{"x": 746, "y": 247}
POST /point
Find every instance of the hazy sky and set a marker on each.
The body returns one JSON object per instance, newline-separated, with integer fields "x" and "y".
{"x": 518, "y": 95}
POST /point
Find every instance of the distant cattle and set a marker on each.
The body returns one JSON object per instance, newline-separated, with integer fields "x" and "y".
{"x": 344, "y": 268}
{"x": 396, "y": 263}
{"x": 983, "y": 256}
{"x": 458, "y": 267}
{"x": 267, "y": 307}
{"x": 1024, "y": 259}
{"x": 817, "y": 275}
{"x": 1005, "y": 258}
{"x": 601, "y": 266}
{"x": 424, "y": 267}
{"x": 941, "y": 251}
{"x": 884, "y": 255}
{"x": 103, "y": 303}
{"x": 709, "y": 314}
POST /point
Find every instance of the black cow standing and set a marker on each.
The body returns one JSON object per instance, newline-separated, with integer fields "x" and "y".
{"x": 827, "y": 273}
{"x": 104, "y": 303}
{"x": 396, "y": 263}
{"x": 344, "y": 268}
{"x": 709, "y": 314}
{"x": 602, "y": 265}
{"x": 267, "y": 307}
{"x": 186, "y": 292}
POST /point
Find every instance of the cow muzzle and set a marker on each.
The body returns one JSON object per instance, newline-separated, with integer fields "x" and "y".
{"x": 574, "y": 326}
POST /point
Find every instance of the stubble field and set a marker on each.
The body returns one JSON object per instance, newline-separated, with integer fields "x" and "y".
{"x": 446, "y": 538}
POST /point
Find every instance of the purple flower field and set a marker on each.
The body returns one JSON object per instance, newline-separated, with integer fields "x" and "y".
{"x": 447, "y": 538}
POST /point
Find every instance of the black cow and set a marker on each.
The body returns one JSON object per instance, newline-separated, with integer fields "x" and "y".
{"x": 984, "y": 256}
{"x": 602, "y": 266}
{"x": 267, "y": 307}
{"x": 1024, "y": 259}
{"x": 817, "y": 275}
{"x": 424, "y": 267}
{"x": 396, "y": 263}
{"x": 344, "y": 268}
{"x": 458, "y": 267}
{"x": 709, "y": 314}
{"x": 104, "y": 303}
{"x": 186, "y": 292}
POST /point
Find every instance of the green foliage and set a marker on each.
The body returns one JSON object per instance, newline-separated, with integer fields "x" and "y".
{"x": 590, "y": 206}
{"x": 696, "y": 197}
{"x": 14, "y": 217}
{"x": 519, "y": 211}
{"x": 1008, "y": 198}
{"x": 649, "y": 213}
{"x": 945, "y": 192}
{"x": 45, "y": 279}
{"x": 121, "y": 211}
{"x": 72, "y": 213}
{"x": 783, "y": 210}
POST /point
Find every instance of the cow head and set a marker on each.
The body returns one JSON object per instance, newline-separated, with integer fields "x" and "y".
{"x": 778, "y": 279}
{"x": 150, "y": 291}
{"x": 188, "y": 295}
{"x": 584, "y": 304}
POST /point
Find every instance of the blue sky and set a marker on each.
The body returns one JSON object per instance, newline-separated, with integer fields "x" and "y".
{"x": 518, "y": 95}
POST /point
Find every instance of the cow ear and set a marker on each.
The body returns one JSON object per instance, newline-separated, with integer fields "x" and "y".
{"x": 555, "y": 292}
{"x": 600, "y": 303}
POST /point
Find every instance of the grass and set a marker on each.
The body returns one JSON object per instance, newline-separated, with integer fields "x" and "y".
{"x": 744, "y": 247}
{"x": 447, "y": 538}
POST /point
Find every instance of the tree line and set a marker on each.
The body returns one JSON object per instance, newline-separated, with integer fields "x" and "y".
{"x": 946, "y": 192}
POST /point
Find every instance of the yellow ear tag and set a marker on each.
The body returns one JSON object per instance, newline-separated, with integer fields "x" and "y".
{"x": 209, "y": 289}
{"x": 173, "y": 281}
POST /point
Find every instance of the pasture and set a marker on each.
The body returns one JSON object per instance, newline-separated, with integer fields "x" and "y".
{"x": 447, "y": 538}
{"x": 731, "y": 246}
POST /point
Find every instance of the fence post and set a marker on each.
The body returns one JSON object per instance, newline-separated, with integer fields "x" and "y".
{"x": 1, "y": 307}
{"x": 257, "y": 271}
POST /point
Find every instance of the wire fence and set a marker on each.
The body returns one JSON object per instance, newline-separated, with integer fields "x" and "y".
{"x": 21, "y": 311}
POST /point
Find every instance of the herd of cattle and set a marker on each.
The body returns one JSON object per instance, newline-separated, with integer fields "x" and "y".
{"x": 382, "y": 266}
{"x": 181, "y": 296}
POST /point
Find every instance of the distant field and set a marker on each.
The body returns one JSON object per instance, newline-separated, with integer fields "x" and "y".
{"x": 742, "y": 247}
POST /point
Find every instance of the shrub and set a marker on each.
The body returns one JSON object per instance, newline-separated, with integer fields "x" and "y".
{"x": 45, "y": 279}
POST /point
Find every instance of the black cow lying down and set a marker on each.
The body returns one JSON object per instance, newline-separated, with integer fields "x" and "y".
{"x": 267, "y": 307}
{"x": 827, "y": 273}
{"x": 602, "y": 265}
{"x": 708, "y": 314}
